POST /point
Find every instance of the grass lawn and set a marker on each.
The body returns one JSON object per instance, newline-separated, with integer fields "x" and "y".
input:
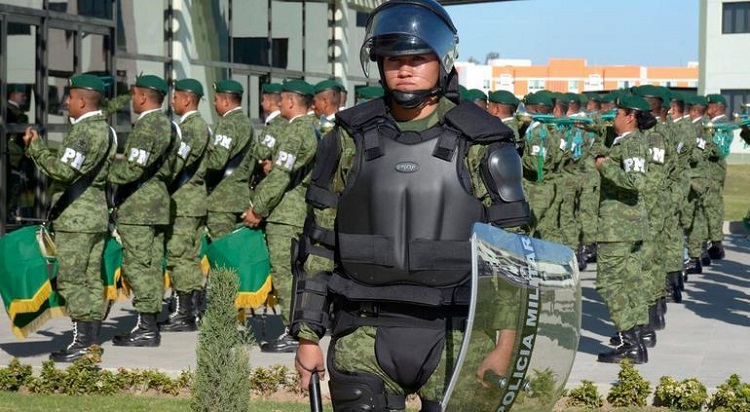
{"x": 736, "y": 191}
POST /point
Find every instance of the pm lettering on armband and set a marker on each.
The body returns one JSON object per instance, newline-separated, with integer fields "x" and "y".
{"x": 223, "y": 141}
{"x": 73, "y": 158}
{"x": 634, "y": 164}
{"x": 286, "y": 160}
{"x": 139, "y": 156}
{"x": 269, "y": 141}
{"x": 184, "y": 150}
{"x": 701, "y": 143}
{"x": 537, "y": 150}
{"x": 657, "y": 154}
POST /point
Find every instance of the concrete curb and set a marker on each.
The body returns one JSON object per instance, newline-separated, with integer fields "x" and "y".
{"x": 735, "y": 228}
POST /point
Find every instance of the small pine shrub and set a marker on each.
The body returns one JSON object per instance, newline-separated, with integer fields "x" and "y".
{"x": 631, "y": 389}
{"x": 14, "y": 376}
{"x": 222, "y": 379}
{"x": 585, "y": 396}
{"x": 688, "y": 395}
{"x": 731, "y": 396}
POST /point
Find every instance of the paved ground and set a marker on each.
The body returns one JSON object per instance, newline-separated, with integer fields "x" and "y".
{"x": 706, "y": 337}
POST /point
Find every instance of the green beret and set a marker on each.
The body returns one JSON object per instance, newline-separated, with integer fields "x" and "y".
{"x": 298, "y": 86}
{"x": 594, "y": 97}
{"x": 462, "y": 92}
{"x": 573, "y": 98}
{"x": 189, "y": 85}
{"x": 584, "y": 99}
{"x": 503, "y": 97}
{"x": 16, "y": 88}
{"x": 649, "y": 90}
{"x": 370, "y": 92}
{"x": 328, "y": 85}
{"x": 634, "y": 103}
{"x": 149, "y": 81}
{"x": 538, "y": 98}
{"x": 561, "y": 98}
{"x": 475, "y": 94}
{"x": 716, "y": 98}
{"x": 271, "y": 88}
{"x": 88, "y": 82}
{"x": 677, "y": 96}
{"x": 696, "y": 100}
{"x": 228, "y": 86}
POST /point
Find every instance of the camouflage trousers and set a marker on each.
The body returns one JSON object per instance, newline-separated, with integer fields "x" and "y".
{"x": 543, "y": 217}
{"x": 695, "y": 214}
{"x": 620, "y": 280}
{"x": 673, "y": 235}
{"x": 589, "y": 206}
{"x": 183, "y": 253}
{"x": 222, "y": 223}
{"x": 279, "y": 238}
{"x": 142, "y": 259}
{"x": 79, "y": 280}
{"x": 356, "y": 353}
{"x": 569, "y": 225}
{"x": 714, "y": 206}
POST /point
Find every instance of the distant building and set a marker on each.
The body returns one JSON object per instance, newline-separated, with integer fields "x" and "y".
{"x": 569, "y": 75}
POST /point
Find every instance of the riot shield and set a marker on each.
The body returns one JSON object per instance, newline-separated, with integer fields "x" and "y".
{"x": 523, "y": 327}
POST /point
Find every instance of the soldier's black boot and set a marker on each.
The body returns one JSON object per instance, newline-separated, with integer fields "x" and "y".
{"x": 631, "y": 346}
{"x": 285, "y": 343}
{"x": 199, "y": 304}
{"x": 182, "y": 319}
{"x": 656, "y": 319}
{"x": 85, "y": 334}
{"x": 694, "y": 266}
{"x": 661, "y": 305}
{"x": 675, "y": 286}
{"x": 145, "y": 333}
{"x": 648, "y": 335}
{"x": 581, "y": 257}
{"x": 591, "y": 255}
{"x": 716, "y": 251}
{"x": 705, "y": 258}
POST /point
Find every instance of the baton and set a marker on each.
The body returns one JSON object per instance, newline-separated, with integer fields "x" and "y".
{"x": 316, "y": 405}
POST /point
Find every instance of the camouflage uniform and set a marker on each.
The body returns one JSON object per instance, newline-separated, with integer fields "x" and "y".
{"x": 280, "y": 198}
{"x": 143, "y": 217}
{"x": 695, "y": 210}
{"x": 189, "y": 209}
{"x": 678, "y": 186}
{"x": 81, "y": 228}
{"x": 717, "y": 173}
{"x": 541, "y": 157}
{"x": 623, "y": 224}
{"x": 231, "y": 195}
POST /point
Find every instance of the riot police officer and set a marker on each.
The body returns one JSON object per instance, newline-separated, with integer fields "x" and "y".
{"x": 402, "y": 264}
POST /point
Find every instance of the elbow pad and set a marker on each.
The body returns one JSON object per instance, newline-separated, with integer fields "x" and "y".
{"x": 502, "y": 173}
{"x": 310, "y": 302}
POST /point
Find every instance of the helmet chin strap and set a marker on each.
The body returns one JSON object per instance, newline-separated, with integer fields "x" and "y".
{"x": 414, "y": 99}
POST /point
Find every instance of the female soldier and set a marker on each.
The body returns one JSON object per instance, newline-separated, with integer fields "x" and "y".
{"x": 623, "y": 224}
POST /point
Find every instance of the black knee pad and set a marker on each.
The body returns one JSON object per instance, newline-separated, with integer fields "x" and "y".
{"x": 360, "y": 392}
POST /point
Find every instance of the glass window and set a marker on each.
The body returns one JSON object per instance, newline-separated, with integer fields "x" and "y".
{"x": 148, "y": 37}
{"x": 573, "y": 86}
{"x": 33, "y": 4}
{"x": 736, "y": 100}
{"x": 736, "y": 18}
{"x": 95, "y": 8}
{"x": 287, "y": 35}
{"x": 61, "y": 55}
{"x": 316, "y": 38}
{"x": 250, "y": 32}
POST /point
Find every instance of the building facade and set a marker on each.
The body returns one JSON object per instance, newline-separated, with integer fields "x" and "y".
{"x": 520, "y": 77}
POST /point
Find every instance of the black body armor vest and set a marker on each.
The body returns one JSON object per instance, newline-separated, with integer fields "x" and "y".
{"x": 406, "y": 215}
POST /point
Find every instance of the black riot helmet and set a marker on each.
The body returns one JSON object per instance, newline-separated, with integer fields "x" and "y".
{"x": 407, "y": 27}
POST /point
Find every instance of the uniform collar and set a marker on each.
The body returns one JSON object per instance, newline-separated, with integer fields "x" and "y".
{"x": 232, "y": 111}
{"x": 186, "y": 115}
{"x": 718, "y": 117}
{"x": 618, "y": 138}
{"x": 296, "y": 117}
{"x": 85, "y": 116}
{"x": 148, "y": 112}
{"x": 507, "y": 119}
{"x": 272, "y": 116}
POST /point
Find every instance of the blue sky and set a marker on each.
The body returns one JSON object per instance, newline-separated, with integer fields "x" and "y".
{"x": 605, "y": 32}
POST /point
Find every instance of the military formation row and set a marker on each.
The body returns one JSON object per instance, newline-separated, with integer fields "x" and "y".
{"x": 174, "y": 182}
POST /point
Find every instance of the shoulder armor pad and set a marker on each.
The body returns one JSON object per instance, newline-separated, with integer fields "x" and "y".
{"x": 478, "y": 125}
{"x": 357, "y": 117}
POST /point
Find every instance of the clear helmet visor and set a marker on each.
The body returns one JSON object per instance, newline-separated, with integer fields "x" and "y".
{"x": 405, "y": 29}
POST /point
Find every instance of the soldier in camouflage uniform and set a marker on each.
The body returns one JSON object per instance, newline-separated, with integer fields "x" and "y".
{"x": 274, "y": 123}
{"x": 623, "y": 225}
{"x": 229, "y": 162}
{"x": 375, "y": 359}
{"x": 717, "y": 166}
{"x": 279, "y": 198}
{"x": 78, "y": 174}
{"x": 502, "y": 104}
{"x": 695, "y": 209}
{"x": 188, "y": 191}
{"x": 327, "y": 101}
{"x": 143, "y": 207}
